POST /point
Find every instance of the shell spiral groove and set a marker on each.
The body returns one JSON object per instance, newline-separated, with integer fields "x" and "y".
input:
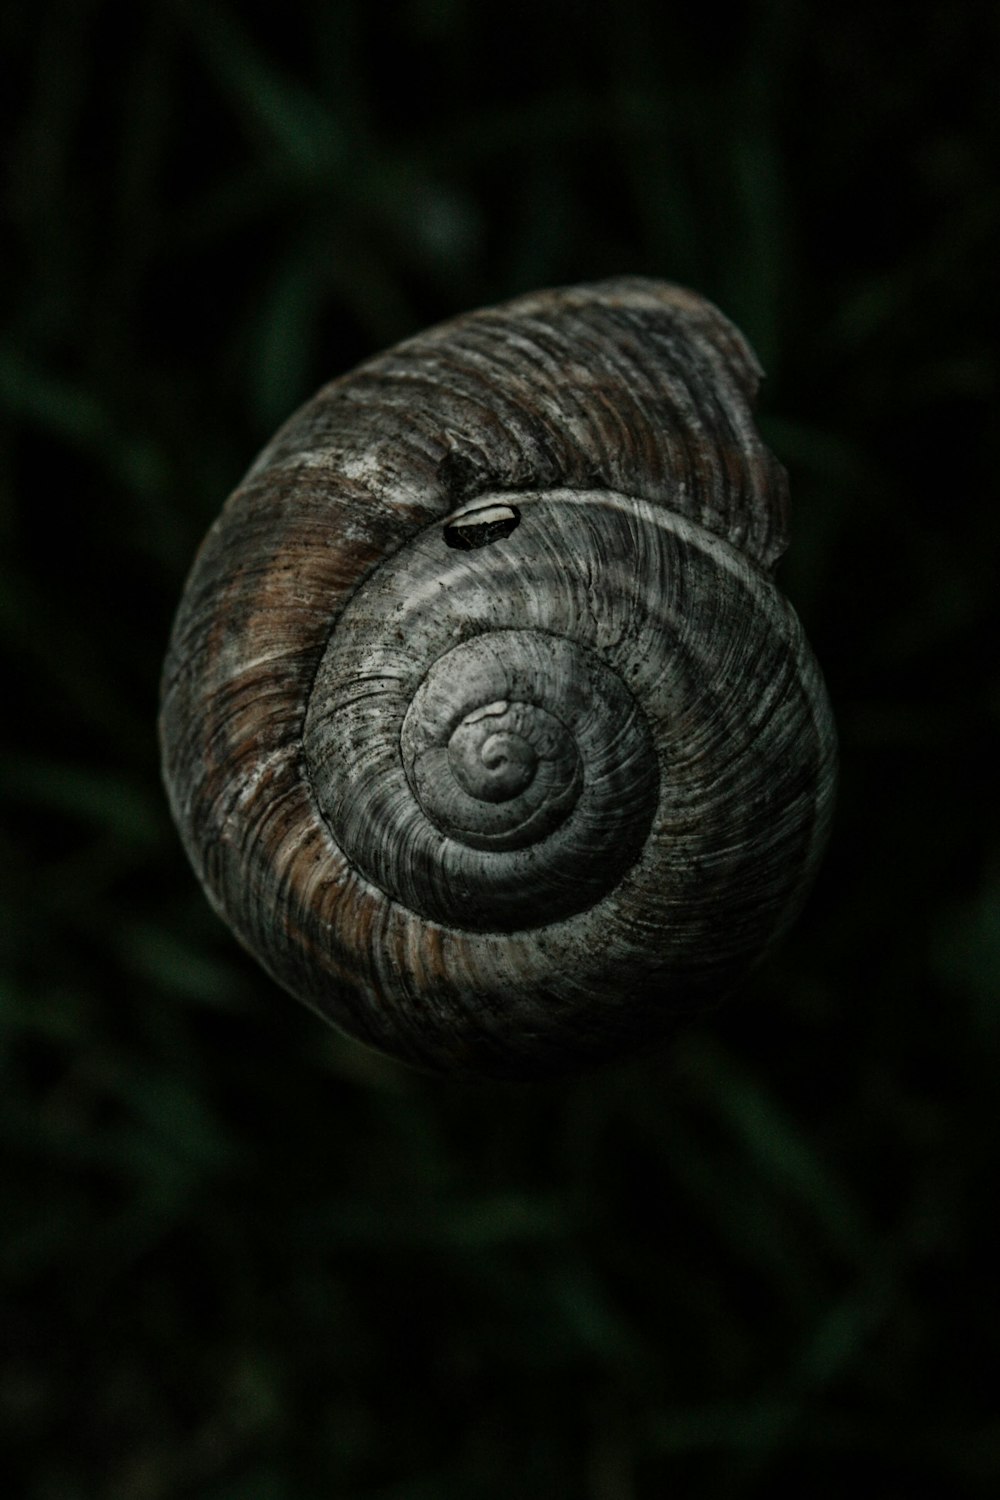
{"x": 483, "y": 722}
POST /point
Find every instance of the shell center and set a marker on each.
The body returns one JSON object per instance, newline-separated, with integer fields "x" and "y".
{"x": 491, "y": 754}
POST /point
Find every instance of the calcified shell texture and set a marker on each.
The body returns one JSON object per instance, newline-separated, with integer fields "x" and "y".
{"x": 483, "y": 723}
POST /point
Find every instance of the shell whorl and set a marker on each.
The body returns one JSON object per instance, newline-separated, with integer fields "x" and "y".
{"x": 509, "y": 806}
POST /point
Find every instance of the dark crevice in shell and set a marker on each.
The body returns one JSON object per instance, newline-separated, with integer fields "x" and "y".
{"x": 481, "y": 525}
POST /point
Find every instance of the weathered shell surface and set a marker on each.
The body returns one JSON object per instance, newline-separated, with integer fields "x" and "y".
{"x": 483, "y": 722}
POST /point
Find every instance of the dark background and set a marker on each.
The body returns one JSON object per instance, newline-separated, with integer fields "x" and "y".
{"x": 245, "y": 1259}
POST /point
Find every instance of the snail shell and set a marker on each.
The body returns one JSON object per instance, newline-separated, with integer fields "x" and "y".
{"x": 483, "y": 722}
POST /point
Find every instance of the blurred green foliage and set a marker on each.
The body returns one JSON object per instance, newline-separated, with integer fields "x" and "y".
{"x": 244, "y": 1259}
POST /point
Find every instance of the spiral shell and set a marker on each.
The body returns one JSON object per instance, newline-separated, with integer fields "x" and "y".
{"x": 483, "y": 723}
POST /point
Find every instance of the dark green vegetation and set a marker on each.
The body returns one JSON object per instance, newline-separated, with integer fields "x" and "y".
{"x": 246, "y": 1260}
